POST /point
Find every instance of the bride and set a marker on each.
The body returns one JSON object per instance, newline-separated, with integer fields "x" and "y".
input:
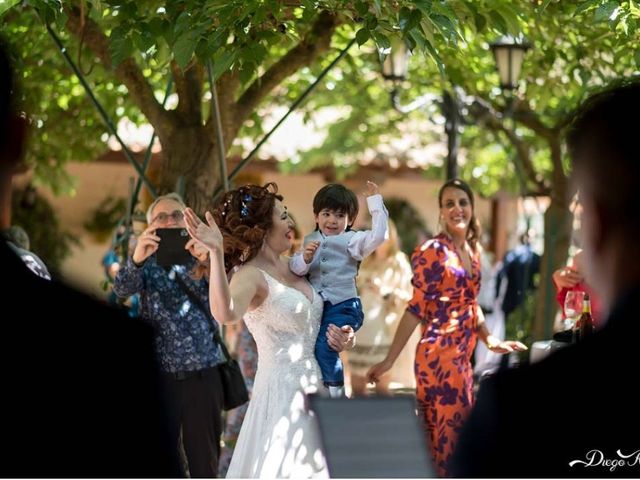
{"x": 250, "y": 229}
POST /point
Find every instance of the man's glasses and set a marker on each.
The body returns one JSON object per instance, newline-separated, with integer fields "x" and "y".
{"x": 163, "y": 218}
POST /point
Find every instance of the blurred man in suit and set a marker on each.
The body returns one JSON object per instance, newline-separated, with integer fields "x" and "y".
{"x": 80, "y": 384}
{"x": 580, "y": 414}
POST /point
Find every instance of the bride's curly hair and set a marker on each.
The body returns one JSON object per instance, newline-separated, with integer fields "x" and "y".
{"x": 244, "y": 217}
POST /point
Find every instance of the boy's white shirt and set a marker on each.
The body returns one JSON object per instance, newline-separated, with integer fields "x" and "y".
{"x": 362, "y": 244}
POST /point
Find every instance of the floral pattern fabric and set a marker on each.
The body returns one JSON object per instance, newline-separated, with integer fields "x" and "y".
{"x": 184, "y": 340}
{"x": 444, "y": 298}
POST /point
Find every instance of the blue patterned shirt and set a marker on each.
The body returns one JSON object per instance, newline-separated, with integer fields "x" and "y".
{"x": 184, "y": 340}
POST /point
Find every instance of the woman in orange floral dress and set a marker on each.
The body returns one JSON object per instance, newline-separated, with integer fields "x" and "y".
{"x": 446, "y": 281}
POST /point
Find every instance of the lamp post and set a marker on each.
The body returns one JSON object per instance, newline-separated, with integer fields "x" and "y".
{"x": 394, "y": 68}
{"x": 508, "y": 53}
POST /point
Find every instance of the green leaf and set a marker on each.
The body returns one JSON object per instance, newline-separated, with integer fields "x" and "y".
{"x": 498, "y": 21}
{"x": 183, "y": 23}
{"x": 446, "y": 26}
{"x": 434, "y": 54}
{"x": 424, "y": 6}
{"x": 246, "y": 73}
{"x": 223, "y": 63}
{"x": 480, "y": 21}
{"x": 544, "y": 6}
{"x": 410, "y": 41}
{"x": 184, "y": 48}
{"x": 585, "y": 6}
{"x": 218, "y": 40}
{"x": 155, "y": 26}
{"x": 382, "y": 41}
{"x": 120, "y": 49}
{"x": 418, "y": 39}
{"x": 144, "y": 40}
{"x": 6, "y": 5}
{"x": 204, "y": 50}
{"x": 409, "y": 19}
{"x": 257, "y": 53}
{"x": 362, "y": 36}
{"x": 511, "y": 18}
{"x": 636, "y": 57}
{"x": 362, "y": 8}
{"x": 604, "y": 12}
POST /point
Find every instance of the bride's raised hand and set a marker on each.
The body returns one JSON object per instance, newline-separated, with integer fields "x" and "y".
{"x": 207, "y": 232}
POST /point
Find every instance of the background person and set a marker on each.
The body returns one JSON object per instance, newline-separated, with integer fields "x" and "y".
{"x": 384, "y": 285}
{"x": 175, "y": 303}
{"x": 446, "y": 280}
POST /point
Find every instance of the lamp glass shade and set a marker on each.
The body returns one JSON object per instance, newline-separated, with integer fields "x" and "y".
{"x": 396, "y": 63}
{"x": 509, "y": 56}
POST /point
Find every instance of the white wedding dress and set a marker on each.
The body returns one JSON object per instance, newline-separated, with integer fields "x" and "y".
{"x": 278, "y": 438}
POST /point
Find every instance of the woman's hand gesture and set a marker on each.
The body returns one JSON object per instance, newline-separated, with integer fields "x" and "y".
{"x": 378, "y": 370}
{"x": 206, "y": 233}
{"x": 507, "y": 346}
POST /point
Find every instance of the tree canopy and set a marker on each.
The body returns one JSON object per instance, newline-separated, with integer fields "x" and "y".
{"x": 265, "y": 53}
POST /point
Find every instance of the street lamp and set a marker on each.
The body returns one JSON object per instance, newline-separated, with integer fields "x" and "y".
{"x": 396, "y": 63}
{"x": 394, "y": 68}
{"x": 508, "y": 53}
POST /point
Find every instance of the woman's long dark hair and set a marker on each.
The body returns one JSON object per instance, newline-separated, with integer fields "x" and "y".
{"x": 473, "y": 232}
{"x": 245, "y": 216}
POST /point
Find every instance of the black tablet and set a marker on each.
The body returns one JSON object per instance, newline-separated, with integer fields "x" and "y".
{"x": 171, "y": 247}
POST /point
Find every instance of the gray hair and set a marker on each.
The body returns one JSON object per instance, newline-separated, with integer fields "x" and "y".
{"x": 169, "y": 196}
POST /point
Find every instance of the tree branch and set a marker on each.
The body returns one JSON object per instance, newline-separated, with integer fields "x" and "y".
{"x": 527, "y": 117}
{"x": 189, "y": 89}
{"x": 127, "y": 71}
{"x": 483, "y": 112}
{"x": 314, "y": 44}
{"x": 552, "y": 135}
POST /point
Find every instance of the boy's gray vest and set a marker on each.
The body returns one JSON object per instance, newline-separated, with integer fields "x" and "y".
{"x": 333, "y": 271}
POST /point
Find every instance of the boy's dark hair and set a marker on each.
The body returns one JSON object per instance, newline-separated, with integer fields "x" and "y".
{"x": 338, "y": 198}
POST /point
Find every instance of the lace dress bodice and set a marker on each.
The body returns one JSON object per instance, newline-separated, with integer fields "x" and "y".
{"x": 278, "y": 439}
{"x": 285, "y": 328}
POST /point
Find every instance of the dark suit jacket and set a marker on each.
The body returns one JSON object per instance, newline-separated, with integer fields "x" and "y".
{"x": 534, "y": 421}
{"x": 81, "y": 392}
{"x": 518, "y": 268}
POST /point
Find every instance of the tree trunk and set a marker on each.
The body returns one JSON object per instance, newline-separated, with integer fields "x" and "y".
{"x": 190, "y": 157}
{"x": 557, "y": 235}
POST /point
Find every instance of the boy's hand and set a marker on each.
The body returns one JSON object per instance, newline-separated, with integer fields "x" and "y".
{"x": 309, "y": 251}
{"x": 372, "y": 189}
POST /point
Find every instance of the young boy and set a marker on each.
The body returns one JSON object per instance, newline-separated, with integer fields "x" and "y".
{"x": 330, "y": 259}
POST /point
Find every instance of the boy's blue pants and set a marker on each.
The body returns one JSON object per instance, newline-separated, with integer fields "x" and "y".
{"x": 344, "y": 313}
